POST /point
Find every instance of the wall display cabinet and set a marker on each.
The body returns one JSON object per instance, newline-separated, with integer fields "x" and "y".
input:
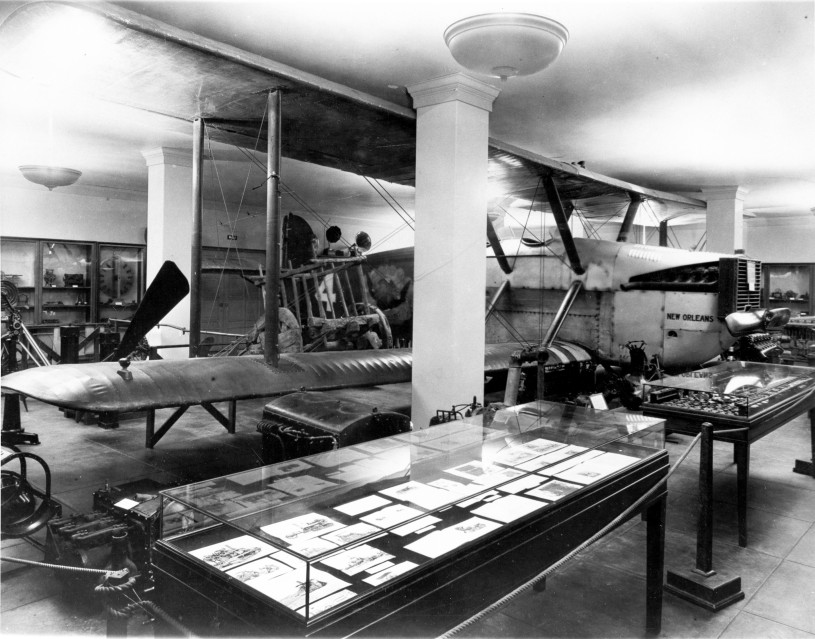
{"x": 342, "y": 539}
{"x": 120, "y": 280}
{"x": 65, "y": 270}
{"x": 791, "y": 286}
{"x": 19, "y": 266}
{"x": 72, "y": 283}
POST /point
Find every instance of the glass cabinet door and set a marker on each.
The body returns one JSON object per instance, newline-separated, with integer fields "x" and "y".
{"x": 66, "y": 282}
{"x": 790, "y": 286}
{"x": 17, "y": 262}
{"x": 120, "y": 278}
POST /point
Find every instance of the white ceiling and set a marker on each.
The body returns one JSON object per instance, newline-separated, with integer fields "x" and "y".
{"x": 675, "y": 96}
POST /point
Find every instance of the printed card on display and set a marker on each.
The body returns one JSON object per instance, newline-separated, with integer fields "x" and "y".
{"x": 265, "y": 568}
{"x": 302, "y": 485}
{"x": 420, "y": 494}
{"x": 288, "y": 468}
{"x": 522, "y": 484}
{"x": 359, "y": 506}
{"x": 443, "y": 541}
{"x": 357, "y": 559}
{"x": 312, "y": 547}
{"x": 413, "y": 526}
{"x": 553, "y": 490}
{"x": 290, "y": 588}
{"x": 300, "y": 528}
{"x": 392, "y": 516}
{"x": 233, "y": 552}
{"x": 392, "y": 571}
{"x": 350, "y": 534}
{"x": 508, "y": 508}
{"x": 327, "y": 603}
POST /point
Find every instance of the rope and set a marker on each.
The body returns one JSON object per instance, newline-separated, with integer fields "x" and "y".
{"x": 529, "y": 584}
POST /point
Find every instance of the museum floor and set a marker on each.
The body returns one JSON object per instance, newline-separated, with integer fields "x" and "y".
{"x": 599, "y": 594}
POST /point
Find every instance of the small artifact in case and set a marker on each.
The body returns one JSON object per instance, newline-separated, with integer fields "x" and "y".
{"x": 74, "y": 279}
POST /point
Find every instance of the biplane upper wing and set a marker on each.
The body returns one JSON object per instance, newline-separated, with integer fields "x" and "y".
{"x": 146, "y": 64}
{"x": 138, "y": 62}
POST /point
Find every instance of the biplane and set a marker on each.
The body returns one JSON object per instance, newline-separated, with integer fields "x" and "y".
{"x": 602, "y": 301}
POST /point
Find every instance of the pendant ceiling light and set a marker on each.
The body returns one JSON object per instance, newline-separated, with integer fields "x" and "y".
{"x": 506, "y": 44}
{"x": 49, "y": 176}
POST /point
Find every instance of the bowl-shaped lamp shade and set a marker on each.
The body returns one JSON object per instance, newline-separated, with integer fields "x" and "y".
{"x": 506, "y": 44}
{"x": 49, "y": 176}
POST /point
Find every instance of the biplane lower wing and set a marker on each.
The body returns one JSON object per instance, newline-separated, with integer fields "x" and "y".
{"x": 103, "y": 387}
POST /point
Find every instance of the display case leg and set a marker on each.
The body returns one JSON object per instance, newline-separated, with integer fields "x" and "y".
{"x": 702, "y": 585}
{"x": 803, "y": 467}
{"x": 742, "y": 450}
{"x": 655, "y": 564}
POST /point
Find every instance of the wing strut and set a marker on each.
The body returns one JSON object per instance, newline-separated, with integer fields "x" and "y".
{"x": 630, "y": 214}
{"x": 197, "y": 233}
{"x": 562, "y": 221}
{"x": 271, "y": 352}
{"x": 495, "y": 243}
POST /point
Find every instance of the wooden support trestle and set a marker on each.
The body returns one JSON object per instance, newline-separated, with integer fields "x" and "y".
{"x": 153, "y": 436}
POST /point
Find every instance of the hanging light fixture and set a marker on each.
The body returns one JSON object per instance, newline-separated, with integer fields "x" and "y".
{"x": 49, "y": 176}
{"x": 505, "y": 45}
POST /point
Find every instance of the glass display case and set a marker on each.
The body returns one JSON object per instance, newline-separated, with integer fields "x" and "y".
{"x": 735, "y": 391}
{"x": 66, "y": 282}
{"x": 317, "y": 537}
{"x": 63, "y": 283}
{"x": 120, "y": 281}
{"x": 789, "y": 285}
{"x": 18, "y": 259}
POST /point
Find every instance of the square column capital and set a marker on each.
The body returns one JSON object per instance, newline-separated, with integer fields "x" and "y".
{"x": 164, "y": 155}
{"x": 731, "y": 193}
{"x": 451, "y": 88}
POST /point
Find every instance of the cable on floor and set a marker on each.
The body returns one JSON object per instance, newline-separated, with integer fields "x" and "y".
{"x": 563, "y": 560}
{"x": 103, "y": 589}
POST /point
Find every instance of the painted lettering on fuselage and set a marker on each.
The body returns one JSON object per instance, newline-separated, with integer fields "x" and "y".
{"x": 690, "y": 317}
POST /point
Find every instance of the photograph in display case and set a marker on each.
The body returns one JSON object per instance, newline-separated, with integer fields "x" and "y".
{"x": 553, "y": 490}
{"x": 301, "y": 528}
{"x": 233, "y": 552}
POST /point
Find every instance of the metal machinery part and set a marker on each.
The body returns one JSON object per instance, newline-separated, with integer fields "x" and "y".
{"x": 84, "y": 540}
{"x": 25, "y": 509}
{"x": 305, "y": 423}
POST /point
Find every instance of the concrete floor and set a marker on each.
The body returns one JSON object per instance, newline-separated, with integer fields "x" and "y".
{"x": 599, "y": 594}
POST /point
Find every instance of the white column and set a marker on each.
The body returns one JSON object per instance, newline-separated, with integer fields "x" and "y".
{"x": 169, "y": 227}
{"x": 725, "y": 218}
{"x": 452, "y": 134}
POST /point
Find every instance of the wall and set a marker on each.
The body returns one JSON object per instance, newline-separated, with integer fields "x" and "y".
{"x": 781, "y": 239}
{"x": 64, "y": 214}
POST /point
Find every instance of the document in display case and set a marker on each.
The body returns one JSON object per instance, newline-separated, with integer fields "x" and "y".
{"x": 357, "y": 531}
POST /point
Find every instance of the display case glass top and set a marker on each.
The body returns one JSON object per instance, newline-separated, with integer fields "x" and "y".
{"x": 316, "y": 535}
{"x": 735, "y": 390}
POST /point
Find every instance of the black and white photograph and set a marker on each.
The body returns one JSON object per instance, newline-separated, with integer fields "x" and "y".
{"x": 469, "y": 318}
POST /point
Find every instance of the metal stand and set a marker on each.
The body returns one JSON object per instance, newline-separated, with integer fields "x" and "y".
{"x": 802, "y": 466}
{"x": 702, "y": 585}
{"x": 13, "y": 432}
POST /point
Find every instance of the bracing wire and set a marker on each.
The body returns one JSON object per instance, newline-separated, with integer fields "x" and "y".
{"x": 231, "y": 222}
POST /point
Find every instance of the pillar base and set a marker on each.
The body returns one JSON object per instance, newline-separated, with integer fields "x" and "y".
{"x": 712, "y": 592}
{"x": 804, "y": 468}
